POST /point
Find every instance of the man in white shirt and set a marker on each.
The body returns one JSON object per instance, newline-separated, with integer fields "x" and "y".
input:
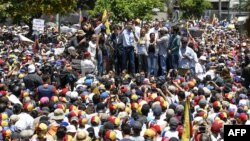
{"x": 128, "y": 42}
{"x": 186, "y": 55}
{"x": 200, "y": 69}
{"x": 87, "y": 65}
{"x": 155, "y": 30}
{"x": 92, "y": 47}
{"x": 137, "y": 28}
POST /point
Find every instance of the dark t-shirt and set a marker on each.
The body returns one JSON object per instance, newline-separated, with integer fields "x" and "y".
{"x": 151, "y": 49}
{"x": 32, "y": 81}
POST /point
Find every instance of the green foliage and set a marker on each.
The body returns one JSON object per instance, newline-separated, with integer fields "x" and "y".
{"x": 25, "y": 10}
{"x": 194, "y": 8}
{"x": 247, "y": 5}
{"x": 121, "y": 10}
{"x": 86, "y": 4}
{"x": 4, "y": 5}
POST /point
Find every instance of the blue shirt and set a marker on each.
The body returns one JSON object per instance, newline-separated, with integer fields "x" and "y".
{"x": 128, "y": 38}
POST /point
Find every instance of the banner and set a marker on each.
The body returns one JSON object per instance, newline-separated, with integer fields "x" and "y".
{"x": 38, "y": 24}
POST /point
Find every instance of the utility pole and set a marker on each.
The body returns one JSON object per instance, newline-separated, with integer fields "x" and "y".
{"x": 219, "y": 9}
{"x": 228, "y": 11}
{"x": 240, "y": 1}
{"x": 58, "y": 22}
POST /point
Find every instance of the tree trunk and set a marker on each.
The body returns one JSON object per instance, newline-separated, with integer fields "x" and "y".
{"x": 30, "y": 27}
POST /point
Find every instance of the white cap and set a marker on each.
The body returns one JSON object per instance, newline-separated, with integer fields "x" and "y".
{"x": 31, "y": 68}
{"x": 71, "y": 129}
{"x": 73, "y": 95}
{"x": 203, "y": 58}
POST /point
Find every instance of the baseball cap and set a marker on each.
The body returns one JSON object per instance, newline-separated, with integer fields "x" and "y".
{"x": 71, "y": 129}
{"x": 173, "y": 122}
{"x": 137, "y": 125}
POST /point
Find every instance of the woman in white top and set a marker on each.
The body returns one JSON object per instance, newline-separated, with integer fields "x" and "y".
{"x": 92, "y": 47}
{"x": 141, "y": 51}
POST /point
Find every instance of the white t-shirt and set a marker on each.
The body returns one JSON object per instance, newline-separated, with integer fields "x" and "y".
{"x": 87, "y": 66}
{"x": 155, "y": 31}
{"x": 137, "y": 31}
{"x": 92, "y": 49}
{"x": 170, "y": 134}
{"x": 25, "y": 121}
{"x": 118, "y": 134}
{"x": 199, "y": 71}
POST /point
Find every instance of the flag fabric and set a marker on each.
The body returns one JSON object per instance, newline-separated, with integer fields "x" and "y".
{"x": 187, "y": 131}
{"x": 36, "y": 45}
{"x": 105, "y": 21}
{"x": 214, "y": 19}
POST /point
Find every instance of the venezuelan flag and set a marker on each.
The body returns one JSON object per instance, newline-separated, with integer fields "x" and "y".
{"x": 187, "y": 131}
{"x": 105, "y": 21}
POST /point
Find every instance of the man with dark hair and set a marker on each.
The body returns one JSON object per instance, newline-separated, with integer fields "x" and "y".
{"x": 126, "y": 131}
{"x": 46, "y": 90}
{"x": 174, "y": 45}
{"x": 116, "y": 42}
{"x": 137, "y": 127}
{"x": 128, "y": 41}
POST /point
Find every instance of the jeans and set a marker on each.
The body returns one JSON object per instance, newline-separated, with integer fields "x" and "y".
{"x": 128, "y": 57}
{"x": 143, "y": 63}
{"x": 163, "y": 64}
{"x": 152, "y": 64}
{"x": 118, "y": 61}
{"x": 175, "y": 61}
{"x": 100, "y": 63}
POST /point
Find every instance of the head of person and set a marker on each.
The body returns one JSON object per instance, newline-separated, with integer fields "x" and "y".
{"x": 146, "y": 26}
{"x": 163, "y": 31}
{"x": 129, "y": 25}
{"x": 202, "y": 59}
{"x": 61, "y": 132}
{"x": 94, "y": 38}
{"x": 137, "y": 127}
{"x": 152, "y": 36}
{"x": 68, "y": 67}
{"x": 137, "y": 22}
{"x": 143, "y": 32}
{"x": 157, "y": 25}
{"x": 46, "y": 79}
{"x": 126, "y": 129}
{"x": 117, "y": 29}
{"x": 175, "y": 30}
{"x": 184, "y": 42}
{"x": 41, "y": 130}
{"x": 71, "y": 130}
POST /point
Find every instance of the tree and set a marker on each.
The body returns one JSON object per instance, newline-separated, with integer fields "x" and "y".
{"x": 194, "y": 8}
{"x": 247, "y": 5}
{"x": 27, "y": 10}
{"x": 86, "y": 4}
{"x": 3, "y": 7}
{"x": 128, "y": 9}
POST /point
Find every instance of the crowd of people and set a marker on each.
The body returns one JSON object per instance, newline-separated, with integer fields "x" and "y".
{"x": 131, "y": 84}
